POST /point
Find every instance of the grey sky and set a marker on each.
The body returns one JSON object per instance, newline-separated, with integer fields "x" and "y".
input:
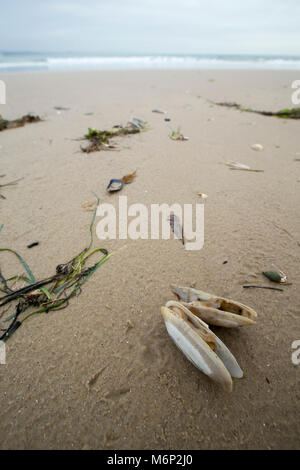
{"x": 151, "y": 26}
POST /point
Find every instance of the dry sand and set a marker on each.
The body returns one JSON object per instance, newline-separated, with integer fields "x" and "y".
{"x": 145, "y": 393}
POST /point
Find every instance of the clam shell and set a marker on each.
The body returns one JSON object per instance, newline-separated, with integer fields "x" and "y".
{"x": 215, "y": 310}
{"x": 200, "y": 345}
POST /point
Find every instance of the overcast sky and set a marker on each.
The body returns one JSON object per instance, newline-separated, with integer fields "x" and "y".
{"x": 151, "y": 26}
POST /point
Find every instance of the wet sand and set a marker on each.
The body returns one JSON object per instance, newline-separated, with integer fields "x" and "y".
{"x": 103, "y": 373}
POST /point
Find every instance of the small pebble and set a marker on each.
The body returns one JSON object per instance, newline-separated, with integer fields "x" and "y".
{"x": 257, "y": 147}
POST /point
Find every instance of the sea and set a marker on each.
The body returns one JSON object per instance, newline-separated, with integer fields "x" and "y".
{"x": 11, "y": 62}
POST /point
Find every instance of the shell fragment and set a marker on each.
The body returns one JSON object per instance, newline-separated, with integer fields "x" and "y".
{"x": 257, "y": 147}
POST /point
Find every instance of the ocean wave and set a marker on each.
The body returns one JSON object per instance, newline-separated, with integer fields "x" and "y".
{"x": 21, "y": 65}
{"x": 148, "y": 62}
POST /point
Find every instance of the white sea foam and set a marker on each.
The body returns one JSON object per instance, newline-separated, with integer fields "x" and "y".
{"x": 31, "y": 62}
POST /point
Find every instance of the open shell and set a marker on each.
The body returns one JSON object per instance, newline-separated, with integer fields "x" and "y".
{"x": 215, "y": 310}
{"x": 114, "y": 185}
{"x": 200, "y": 345}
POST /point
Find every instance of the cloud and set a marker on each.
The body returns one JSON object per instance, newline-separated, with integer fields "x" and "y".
{"x": 151, "y": 26}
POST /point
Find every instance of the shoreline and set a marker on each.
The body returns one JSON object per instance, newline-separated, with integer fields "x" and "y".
{"x": 162, "y": 70}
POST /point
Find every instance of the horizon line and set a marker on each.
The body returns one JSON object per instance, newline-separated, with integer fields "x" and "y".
{"x": 116, "y": 54}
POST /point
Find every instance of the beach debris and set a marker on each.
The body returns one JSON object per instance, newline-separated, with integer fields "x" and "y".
{"x": 257, "y": 147}
{"x": 200, "y": 345}
{"x": 93, "y": 379}
{"x": 215, "y": 310}
{"x": 167, "y": 119}
{"x": 225, "y": 262}
{"x": 185, "y": 321}
{"x": 261, "y": 287}
{"x": 127, "y": 179}
{"x": 88, "y": 205}
{"x": 129, "y": 325}
{"x": 293, "y": 113}
{"x": 114, "y": 185}
{"x": 176, "y": 135}
{"x": 100, "y": 140}
{"x": 240, "y": 166}
{"x": 276, "y": 276}
{"x": 237, "y": 166}
{"x": 61, "y": 108}
{"x": 117, "y": 184}
{"x": 202, "y": 195}
{"x": 159, "y": 111}
{"x": 136, "y": 123}
{"x": 175, "y": 224}
{"x": 11, "y": 183}
{"x": 28, "y": 118}
{"x": 66, "y": 283}
{"x": 88, "y": 114}
{"x": 31, "y": 245}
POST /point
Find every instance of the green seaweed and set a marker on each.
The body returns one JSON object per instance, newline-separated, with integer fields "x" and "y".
{"x": 293, "y": 113}
{"x": 67, "y": 282}
{"x": 20, "y": 122}
{"x": 100, "y": 140}
{"x": 102, "y": 134}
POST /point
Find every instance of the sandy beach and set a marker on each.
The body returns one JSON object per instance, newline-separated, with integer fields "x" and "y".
{"x": 103, "y": 373}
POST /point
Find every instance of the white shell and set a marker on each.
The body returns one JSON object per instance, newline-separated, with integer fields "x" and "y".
{"x": 237, "y": 166}
{"x": 215, "y": 310}
{"x": 203, "y": 195}
{"x": 200, "y": 345}
{"x": 257, "y": 147}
